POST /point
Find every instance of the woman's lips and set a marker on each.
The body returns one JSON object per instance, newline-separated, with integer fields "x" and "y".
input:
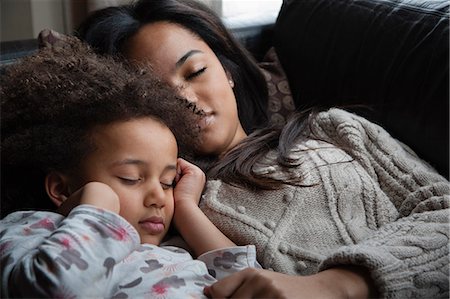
{"x": 153, "y": 225}
{"x": 207, "y": 120}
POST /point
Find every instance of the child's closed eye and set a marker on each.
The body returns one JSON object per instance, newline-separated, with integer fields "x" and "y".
{"x": 167, "y": 186}
{"x": 129, "y": 180}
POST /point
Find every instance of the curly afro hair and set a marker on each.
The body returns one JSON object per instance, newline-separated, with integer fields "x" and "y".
{"x": 51, "y": 100}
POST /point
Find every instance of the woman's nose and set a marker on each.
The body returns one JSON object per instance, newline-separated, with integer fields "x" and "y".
{"x": 155, "y": 196}
{"x": 189, "y": 94}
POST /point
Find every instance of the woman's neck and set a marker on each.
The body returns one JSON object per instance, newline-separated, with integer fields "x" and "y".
{"x": 238, "y": 137}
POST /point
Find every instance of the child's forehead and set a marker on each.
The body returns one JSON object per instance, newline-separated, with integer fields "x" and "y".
{"x": 142, "y": 139}
{"x": 145, "y": 123}
{"x": 143, "y": 128}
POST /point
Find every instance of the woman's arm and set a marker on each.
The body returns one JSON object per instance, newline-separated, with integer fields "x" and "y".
{"x": 259, "y": 283}
{"x": 409, "y": 256}
{"x": 196, "y": 229}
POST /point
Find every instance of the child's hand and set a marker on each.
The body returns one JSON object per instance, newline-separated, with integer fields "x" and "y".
{"x": 93, "y": 193}
{"x": 193, "y": 225}
{"x": 190, "y": 181}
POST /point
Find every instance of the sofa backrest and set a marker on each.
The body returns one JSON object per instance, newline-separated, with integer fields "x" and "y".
{"x": 390, "y": 55}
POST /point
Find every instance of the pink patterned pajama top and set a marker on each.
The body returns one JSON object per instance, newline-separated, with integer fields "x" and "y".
{"x": 96, "y": 253}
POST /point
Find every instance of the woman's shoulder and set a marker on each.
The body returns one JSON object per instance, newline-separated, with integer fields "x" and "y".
{"x": 337, "y": 116}
{"x": 326, "y": 125}
{"x": 337, "y": 124}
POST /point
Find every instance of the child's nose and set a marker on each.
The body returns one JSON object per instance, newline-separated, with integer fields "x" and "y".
{"x": 155, "y": 196}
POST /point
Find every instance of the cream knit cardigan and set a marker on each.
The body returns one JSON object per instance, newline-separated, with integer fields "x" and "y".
{"x": 368, "y": 201}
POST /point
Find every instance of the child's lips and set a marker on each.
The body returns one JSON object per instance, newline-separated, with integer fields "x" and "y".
{"x": 153, "y": 225}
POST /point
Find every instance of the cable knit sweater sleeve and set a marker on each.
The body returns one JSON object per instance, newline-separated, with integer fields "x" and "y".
{"x": 410, "y": 256}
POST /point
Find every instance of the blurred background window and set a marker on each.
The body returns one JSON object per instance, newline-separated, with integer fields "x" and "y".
{"x": 24, "y": 19}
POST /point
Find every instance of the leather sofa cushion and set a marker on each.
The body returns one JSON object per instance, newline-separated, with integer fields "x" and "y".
{"x": 389, "y": 55}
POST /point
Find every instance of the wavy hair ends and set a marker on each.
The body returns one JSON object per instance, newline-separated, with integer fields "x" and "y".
{"x": 237, "y": 167}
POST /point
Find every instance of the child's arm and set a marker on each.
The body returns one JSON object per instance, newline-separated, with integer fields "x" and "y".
{"x": 47, "y": 255}
{"x": 94, "y": 193}
{"x": 196, "y": 229}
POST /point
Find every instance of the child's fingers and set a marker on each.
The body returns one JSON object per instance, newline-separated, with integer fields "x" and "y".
{"x": 185, "y": 167}
{"x": 178, "y": 174}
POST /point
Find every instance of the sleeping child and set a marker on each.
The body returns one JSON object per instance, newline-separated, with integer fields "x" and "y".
{"x": 89, "y": 156}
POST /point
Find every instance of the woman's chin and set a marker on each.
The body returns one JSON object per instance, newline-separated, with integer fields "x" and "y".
{"x": 209, "y": 149}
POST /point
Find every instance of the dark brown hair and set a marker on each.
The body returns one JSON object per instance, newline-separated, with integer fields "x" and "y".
{"x": 49, "y": 103}
{"x": 237, "y": 166}
{"x": 108, "y": 31}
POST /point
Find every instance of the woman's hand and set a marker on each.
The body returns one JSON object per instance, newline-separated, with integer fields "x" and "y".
{"x": 93, "y": 193}
{"x": 190, "y": 181}
{"x": 260, "y": 283}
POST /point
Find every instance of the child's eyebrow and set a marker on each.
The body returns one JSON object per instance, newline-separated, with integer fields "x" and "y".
{"x": 130, "y": 161}
{"x": 140, "y": 162}
{"x": 170, "y": 167}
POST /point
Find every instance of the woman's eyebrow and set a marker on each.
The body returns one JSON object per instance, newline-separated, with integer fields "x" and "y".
{"x": 185, "y": 57}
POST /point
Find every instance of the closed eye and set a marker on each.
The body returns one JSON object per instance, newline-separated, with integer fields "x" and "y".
{"x": 168, "y": 186}
{"x": 196, "y": 74}
{"x": 130, "y": 181}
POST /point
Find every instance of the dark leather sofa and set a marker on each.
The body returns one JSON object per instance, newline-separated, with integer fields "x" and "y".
{"x": 385, "y": 59}
{"x": 389, "y": 55}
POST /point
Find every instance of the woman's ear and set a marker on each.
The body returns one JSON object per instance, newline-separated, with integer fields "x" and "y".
{"x": 230, "y": 78}
{"x": 57, "y": 187}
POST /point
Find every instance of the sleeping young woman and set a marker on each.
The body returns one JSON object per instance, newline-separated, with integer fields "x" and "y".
{"x": 336, "y": 207}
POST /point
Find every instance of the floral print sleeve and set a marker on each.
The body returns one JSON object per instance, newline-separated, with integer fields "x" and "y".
{"x": 46, "y": 254}
{"x": 225, "y": 261}
{"x": 95, "y": 253}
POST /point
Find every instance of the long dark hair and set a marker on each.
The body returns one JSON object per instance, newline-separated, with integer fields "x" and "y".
{"x": 109, "y": 29}
{"x": 237, "y": 166}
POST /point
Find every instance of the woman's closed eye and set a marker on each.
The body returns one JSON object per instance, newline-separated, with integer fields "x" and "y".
{"x": 196, "y": 73}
